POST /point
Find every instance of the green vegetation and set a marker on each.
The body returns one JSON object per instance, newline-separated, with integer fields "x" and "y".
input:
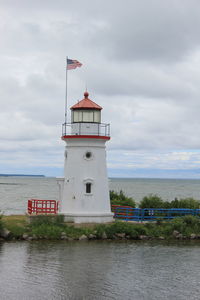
{"x": 37, "y": 220}
{"x": 154, "y": 201}
{"x": 185, "y": 203}
{"x": 121, "y": 199}
{"x": 183, "y": 227}
{"x": 15, "y": 224}
{"x": 1, "y": 223}
{"x": 151, "y": 201}
{"x": 128, "y": 229}
{"x": 53, "y": 227}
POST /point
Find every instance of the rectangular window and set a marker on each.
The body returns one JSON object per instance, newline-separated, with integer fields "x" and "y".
{"x": 80, "y": 118}
{"x": 97, "y": 117}
{"x": 75, "y": 116}
{"x": 88, "y": 116}
{"x": 88, "y": 188}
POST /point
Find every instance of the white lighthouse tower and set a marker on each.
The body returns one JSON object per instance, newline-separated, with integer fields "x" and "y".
{"x": 84, "y": 192}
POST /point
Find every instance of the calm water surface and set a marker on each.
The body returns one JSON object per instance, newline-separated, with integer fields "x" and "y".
{"x": 15, "y": 191}
{"x": 99, "y": 270}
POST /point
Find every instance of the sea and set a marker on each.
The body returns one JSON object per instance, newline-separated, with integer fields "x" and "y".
{"x": 15, "y": 191}
{"x": 90, "y": 270}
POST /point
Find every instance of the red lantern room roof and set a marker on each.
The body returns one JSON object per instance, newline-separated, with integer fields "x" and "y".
{"x": 86, "y": 103}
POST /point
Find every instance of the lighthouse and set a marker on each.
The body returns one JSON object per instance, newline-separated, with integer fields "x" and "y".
{"x": 83, "y": 192}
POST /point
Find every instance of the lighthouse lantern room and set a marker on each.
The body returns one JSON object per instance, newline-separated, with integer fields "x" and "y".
{"x": 83, "y": 192}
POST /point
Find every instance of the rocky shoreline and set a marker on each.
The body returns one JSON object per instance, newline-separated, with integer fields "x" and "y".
{"x": 25, "y": 228}
{"x": 6, "y": 235}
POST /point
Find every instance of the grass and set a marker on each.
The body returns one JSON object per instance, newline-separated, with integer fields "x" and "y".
{"x": 17, "y": 224}
{"x": 45, "y": 227}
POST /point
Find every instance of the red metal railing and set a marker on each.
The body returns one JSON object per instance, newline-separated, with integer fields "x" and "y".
{"x": 116, "y": 208}
{"x": 37, "y": 206}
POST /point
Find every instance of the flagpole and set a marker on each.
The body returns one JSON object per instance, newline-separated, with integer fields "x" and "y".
{"x": 66, "y": 92}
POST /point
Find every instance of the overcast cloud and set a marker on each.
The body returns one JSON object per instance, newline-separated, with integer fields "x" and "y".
{"x": 141, "y": 62}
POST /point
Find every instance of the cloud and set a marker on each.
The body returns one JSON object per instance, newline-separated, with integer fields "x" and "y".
{"x": 141, "y": 62}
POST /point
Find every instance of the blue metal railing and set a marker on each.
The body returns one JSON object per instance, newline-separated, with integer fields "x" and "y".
{"x": 151, "y": 214}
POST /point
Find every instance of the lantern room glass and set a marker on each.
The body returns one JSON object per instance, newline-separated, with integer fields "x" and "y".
{"x": 87, "y": 116}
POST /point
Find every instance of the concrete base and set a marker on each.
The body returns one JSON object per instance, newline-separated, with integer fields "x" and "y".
{"x": 86, "y": 218}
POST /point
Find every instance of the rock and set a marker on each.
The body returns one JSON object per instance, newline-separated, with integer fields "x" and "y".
{"x": 91, "y": 236}
{"x": 179, "y": 236}
{"x": 83, "y": 237}
{"x": 161, "y": 238}
{"x": 143, "y": 237}
{"x": 104, "y": 236}
{"x": 63, "y": 236}
{"x": 175, "y": 233}
{"x": 30, "y": 238}
{"x": 120, "y": 235}
{"x": 34, "y": 237}
{"x": 193, "y": 236}
{"x": 70, "y": 238}
{"x": 25, "y": 236}
{"x": 5, "y": 233}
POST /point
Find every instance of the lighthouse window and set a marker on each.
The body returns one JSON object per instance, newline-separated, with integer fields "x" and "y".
{"x": 88, "y": 155}
{"x": 75, "y": 116}
{"x": 88, "y": 187}
{"x": 97, "y": 116}
{"x": 88, "y": 116}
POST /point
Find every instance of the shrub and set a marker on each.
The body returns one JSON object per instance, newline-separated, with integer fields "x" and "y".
{"x": 1, "y": 222}
{"x": 121, "y": 199}
{"x": 47, "y": 219}
{"x": 17, "y": 225}
{"x": 178, "y": 224}
{"x": 47, "y": 230}
{"x": 151, "y": 201}
{"x": 185, "y": 203}
{"x": 191, "y": 221}
{"x": 74, "y": 232}
{"x": 99, "y": 230}
{"x": 132, "y": 230}
{"x": 154, "y": 201}
{"x": 186, "y": 225}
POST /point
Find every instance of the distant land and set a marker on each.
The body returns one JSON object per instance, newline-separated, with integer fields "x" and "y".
{"x": 23, "y": 175}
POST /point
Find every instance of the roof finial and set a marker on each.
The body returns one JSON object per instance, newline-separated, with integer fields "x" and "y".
{"x": 86, "y": 94}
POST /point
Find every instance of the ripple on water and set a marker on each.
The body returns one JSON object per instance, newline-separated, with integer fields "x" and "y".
{"x": 99, "y": 270}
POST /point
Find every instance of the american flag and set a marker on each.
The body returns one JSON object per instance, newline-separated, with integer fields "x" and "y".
{"x": 73, "y": 64}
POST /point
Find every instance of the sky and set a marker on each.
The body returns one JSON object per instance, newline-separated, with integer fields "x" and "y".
{"x": 141, "y": 63}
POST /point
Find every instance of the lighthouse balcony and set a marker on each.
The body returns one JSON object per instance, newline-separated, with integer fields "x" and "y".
{"x": 86, "y": 129}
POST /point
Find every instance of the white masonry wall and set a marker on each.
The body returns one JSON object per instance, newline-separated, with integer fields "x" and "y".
{"x": 76, "y": 204}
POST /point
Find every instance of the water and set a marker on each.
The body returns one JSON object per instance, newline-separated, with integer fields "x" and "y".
{"x": 168, "y": 189}
{"x": 15, "y": 191}
{"x": 99, "y": 270}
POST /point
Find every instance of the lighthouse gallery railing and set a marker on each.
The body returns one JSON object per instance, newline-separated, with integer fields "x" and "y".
{"x": 101, "y": 129}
